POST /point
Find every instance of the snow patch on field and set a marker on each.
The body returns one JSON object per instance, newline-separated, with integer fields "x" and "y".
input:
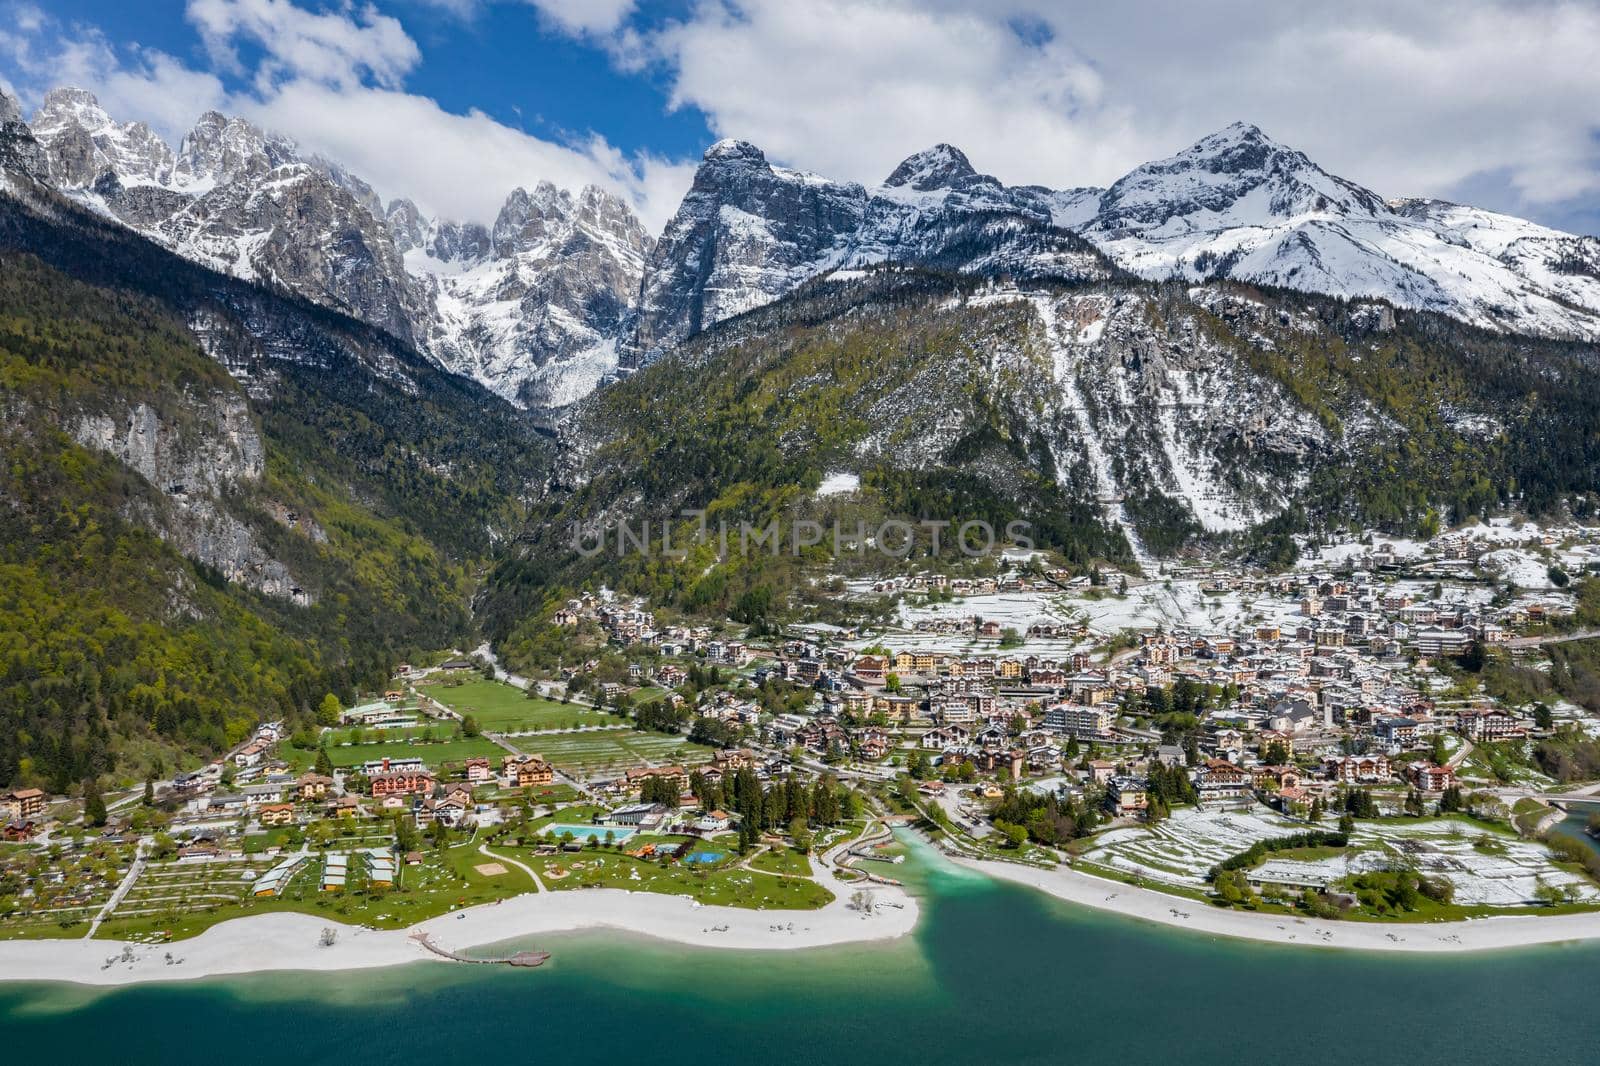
{"x": 1517, "y": 566}
{"x": 837, "y": 484}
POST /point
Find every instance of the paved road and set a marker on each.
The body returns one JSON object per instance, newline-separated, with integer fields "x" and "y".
{"x": 483, "y": 849}
{"x": 1552, "y": 638}
{"x": 122, "y": 889}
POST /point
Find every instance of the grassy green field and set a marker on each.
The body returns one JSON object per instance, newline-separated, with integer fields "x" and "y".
{"x": 727, "y": 887}
{"x": 783, "y": 860}
{"x": 502, "y": 708}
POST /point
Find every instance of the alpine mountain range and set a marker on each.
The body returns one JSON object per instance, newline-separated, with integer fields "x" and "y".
{"x": 566, "y": 290}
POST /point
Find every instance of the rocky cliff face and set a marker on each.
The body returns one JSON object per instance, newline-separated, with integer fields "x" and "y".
{"x": 1235, "y": 205}
{"x": 200, "y": 456}
{"x": 531, "y": 309}
{"x": 749, "y": 232}
{"x": 563, "y": 288}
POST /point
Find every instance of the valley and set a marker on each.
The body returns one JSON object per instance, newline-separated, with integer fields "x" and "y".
{"x": 1284, "y": 609}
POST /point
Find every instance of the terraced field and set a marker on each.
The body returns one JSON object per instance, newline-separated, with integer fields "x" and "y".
{"x": 615, "y": 749}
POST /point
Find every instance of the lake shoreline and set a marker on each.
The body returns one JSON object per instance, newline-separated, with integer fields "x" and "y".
{"x": 1147, "y": 904}
{"x": 290, "y": 941}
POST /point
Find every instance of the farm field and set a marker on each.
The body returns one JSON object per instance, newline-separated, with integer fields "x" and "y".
{"x": 614, "y": 749}
{"x": 502, "y": 708}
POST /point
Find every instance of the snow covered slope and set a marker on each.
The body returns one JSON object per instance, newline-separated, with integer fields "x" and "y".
{"x": 1239, "y": 205}
{"x": 531, "y": 310}
{"x": 564, "y": 287}
{"x": 748, "y": 232}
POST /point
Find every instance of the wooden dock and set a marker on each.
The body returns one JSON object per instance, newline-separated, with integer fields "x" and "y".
{"x": 521, "y": 958}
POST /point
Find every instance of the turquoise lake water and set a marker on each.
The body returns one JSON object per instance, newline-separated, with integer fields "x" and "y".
{"x": 994, "y": 974}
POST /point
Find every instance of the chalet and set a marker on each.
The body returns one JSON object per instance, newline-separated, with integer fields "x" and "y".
{"x": 276, "y": 814}
{"x": 945, "y": 736}
{"x": 1127, "y": 795}
{"x": 401, "y": 783}
{"x": 250, "y": 755}
{"x": 478, "y": 771}
{"x": 527, "y": 771}
{"x": 1488, "y": 724}
{"x": 23, "y": 804}
{"x": 1354, "y": 769}
{"x": 18, "y": 832}
{"x": 871, "y": 669}
{"x": 312, "y": 785}
{"x": 1430, "y": 778}
{"x": 1272, "y": 778}
{"x": 1219, "y": 779}
{"x": 638, "y": 776}
{"x": 716, "y": 821}
{"x": 1101, "y": 771}
{"x": 872, "y": 743}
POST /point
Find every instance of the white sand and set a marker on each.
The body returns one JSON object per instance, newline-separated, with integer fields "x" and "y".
{"x": 286, "y": 941}
{"x": 1479, "y": 934}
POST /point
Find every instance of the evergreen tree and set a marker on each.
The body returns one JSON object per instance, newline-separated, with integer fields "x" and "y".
{"x": 94, "y": 805}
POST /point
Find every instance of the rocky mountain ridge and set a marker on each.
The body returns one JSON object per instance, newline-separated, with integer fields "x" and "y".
{"x": 530, "y": 309}
{"x": 1235, "y": 205}
{"x": 545, "y": 303}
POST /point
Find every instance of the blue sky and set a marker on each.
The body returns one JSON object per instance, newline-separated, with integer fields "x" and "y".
{"x": 454, "y": 102}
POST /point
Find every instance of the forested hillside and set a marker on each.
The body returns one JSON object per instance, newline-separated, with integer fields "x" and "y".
{"x": 1125, "y": 421}
{"x": 188, "y": 551}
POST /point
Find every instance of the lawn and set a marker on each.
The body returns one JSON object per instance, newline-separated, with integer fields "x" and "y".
{"x": 730, "y": 887}
{"x": 502, "y": 708}
{"x": 781, "y": 859}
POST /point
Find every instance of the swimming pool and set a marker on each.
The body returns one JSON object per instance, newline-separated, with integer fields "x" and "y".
{"x": 587, "y": 832}
{"x": 705, "y": 856}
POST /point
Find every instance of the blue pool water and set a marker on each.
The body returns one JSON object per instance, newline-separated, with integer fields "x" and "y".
{"x": 585, "y": 832}
{"x": 705, "y": 856}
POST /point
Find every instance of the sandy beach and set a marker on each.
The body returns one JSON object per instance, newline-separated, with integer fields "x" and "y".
{"x": 1479, "y": 934}
{"x": 286, "y": 941}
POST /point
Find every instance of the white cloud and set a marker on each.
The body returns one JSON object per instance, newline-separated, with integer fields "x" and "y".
{"x": 850, "y": 89}
{"x": 585, "y": 16}
{"x": 1487, "y": 100}
{"x": 342, "y": 49}
{"x": 461, "y": 166}
{"x": 573, "y": 17}
{"x": 332, "y": 82}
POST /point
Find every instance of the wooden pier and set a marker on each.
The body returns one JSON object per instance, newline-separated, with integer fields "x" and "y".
{"x": 521, "y": 958}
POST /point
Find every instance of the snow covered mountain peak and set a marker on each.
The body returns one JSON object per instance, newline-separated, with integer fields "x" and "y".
{"x": 1237, "y": 176}
{"x": 220, "y": 149}
{"x": 732, "y": 150}
{"x": 83, "y": 143}
{"x": 941, "y": 167}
